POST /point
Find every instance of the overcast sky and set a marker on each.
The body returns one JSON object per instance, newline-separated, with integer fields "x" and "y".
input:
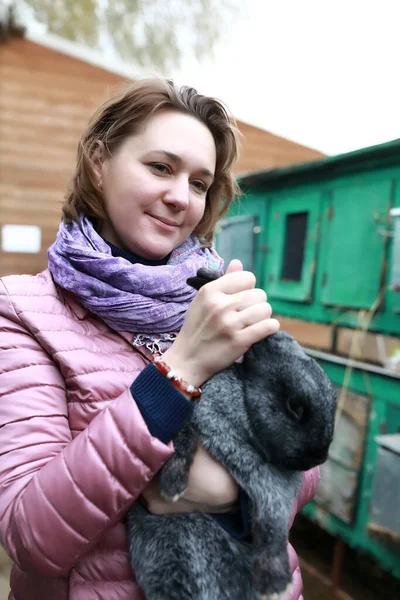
{"x": 323, "y": 73}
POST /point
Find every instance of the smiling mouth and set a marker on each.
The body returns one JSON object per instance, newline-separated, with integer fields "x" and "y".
{"x": 166, "y": 222}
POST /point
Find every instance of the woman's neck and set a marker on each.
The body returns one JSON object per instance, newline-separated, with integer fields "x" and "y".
{"x": 134, "y": 258}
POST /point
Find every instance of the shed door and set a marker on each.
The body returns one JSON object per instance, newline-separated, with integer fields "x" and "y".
{"x": 236, "y": 239}
{"x": 355, "y": 245}
{"x": 293, "y": 232}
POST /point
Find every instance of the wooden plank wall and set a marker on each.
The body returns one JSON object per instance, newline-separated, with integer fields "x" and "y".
{"x": 46, "y": 100}
{"x": 264, "y": 150}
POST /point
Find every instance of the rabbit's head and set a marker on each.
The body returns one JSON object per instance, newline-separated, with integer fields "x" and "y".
{"x": 289, "y": 399}
{"x": 290, "y": 402}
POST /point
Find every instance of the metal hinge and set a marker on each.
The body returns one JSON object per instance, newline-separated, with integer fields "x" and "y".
{"x": 330, "y": 212}
{"x": 324, "y": 279}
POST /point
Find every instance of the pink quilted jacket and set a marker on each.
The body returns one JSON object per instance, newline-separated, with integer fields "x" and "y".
{"x": 75, "y": 451}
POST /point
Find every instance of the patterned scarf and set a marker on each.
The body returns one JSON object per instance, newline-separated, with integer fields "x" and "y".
{"x": 150, "y": 301}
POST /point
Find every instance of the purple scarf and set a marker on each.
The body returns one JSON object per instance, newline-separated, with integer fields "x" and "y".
{"x": 149, "y": 301}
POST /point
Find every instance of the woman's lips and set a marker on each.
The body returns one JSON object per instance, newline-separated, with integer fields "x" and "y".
{"x": 166, "y": 223}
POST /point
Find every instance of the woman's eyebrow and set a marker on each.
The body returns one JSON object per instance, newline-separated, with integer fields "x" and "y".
{"x": 178, "y": 159}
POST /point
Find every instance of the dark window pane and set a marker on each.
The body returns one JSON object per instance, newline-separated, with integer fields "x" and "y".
{"x": 295, "y": 237}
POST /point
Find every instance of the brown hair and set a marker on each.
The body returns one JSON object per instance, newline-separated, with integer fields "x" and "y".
{"x": 125, "y": 115}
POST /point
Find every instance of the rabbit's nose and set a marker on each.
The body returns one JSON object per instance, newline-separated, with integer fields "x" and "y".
{"x": 317, "y": 456}
{"x": 298, "y": 409}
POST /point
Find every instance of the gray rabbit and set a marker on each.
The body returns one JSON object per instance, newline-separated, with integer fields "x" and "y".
{"x": 266, "y": 420}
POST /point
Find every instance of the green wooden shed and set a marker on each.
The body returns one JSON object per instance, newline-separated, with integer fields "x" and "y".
{"x": 323, "y": 239}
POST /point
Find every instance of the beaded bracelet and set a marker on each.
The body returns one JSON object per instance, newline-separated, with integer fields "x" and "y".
{"x": 178, "y": 382}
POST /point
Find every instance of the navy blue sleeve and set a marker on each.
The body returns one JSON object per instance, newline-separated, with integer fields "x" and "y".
{"x": 163, "y": 407}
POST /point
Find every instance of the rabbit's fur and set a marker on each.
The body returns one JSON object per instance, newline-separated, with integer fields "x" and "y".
{"x": 266, "y": 420}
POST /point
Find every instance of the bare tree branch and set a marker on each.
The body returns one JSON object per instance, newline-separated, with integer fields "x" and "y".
{"x": 152, "y": 33}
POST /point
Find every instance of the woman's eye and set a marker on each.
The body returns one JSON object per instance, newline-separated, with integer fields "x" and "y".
{"x": 200, "y": 186}
{"x": 160, "y": 167}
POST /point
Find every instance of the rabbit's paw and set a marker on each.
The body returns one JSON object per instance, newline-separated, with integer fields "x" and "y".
{"x": 277, "y": 595}
{"x": 173, "y": 480}
{"x": 171, "y": 498}
{"x": 272, "y": 576}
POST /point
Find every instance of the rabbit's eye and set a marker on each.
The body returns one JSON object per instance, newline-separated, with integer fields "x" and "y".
{"x": 297, "y": 410}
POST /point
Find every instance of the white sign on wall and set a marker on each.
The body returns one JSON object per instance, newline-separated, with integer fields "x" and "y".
{"x": 21, "y": 238}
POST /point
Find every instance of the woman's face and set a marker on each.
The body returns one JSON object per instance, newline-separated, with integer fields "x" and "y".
{"x": 155, "y": 185}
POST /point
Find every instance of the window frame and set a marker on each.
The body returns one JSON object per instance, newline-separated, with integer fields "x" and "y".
{"x": 279, "y": 209}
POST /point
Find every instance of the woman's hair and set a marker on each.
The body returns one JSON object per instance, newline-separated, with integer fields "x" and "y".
{"x": 125, "y": 115}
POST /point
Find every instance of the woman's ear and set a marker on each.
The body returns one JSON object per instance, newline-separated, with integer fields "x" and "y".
{"x": 97, "y": 157}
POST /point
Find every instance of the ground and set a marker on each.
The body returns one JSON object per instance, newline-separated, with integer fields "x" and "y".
{"x": 361, "y": 579}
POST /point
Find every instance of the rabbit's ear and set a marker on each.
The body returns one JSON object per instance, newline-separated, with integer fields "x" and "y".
{"x": 203, "y": 276}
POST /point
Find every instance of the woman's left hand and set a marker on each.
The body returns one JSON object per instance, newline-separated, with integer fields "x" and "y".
{"x": 210, "y": 489}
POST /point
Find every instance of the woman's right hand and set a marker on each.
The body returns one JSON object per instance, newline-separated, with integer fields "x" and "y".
{"x": 226, "y": 317}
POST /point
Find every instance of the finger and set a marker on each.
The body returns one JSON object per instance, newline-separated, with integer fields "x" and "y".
{"x": 234, "y": 266}
{"x": 231, "y": 283}
{"x": 258, "y": 331}
{"x": 254, "y": 314}
{"x": 247, "y": 298}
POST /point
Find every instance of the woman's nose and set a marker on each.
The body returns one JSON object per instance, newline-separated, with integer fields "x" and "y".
{"x": 177, "y": 193}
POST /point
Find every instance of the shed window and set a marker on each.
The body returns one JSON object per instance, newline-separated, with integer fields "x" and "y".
{"x": 295, "y": 238}
{"x": 236, "y": 239}
{"x": 395, "y": 279}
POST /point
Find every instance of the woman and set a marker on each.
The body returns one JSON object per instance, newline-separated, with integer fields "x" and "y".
{"x": 86, "y": 417}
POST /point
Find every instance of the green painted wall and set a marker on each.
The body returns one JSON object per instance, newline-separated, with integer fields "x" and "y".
{"x": 342, "y": 206}
{"x": 384, "y": 416}
{"x": 347, "y": 257}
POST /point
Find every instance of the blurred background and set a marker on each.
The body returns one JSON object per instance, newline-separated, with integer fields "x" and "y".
{"x": 314, "y": 88}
